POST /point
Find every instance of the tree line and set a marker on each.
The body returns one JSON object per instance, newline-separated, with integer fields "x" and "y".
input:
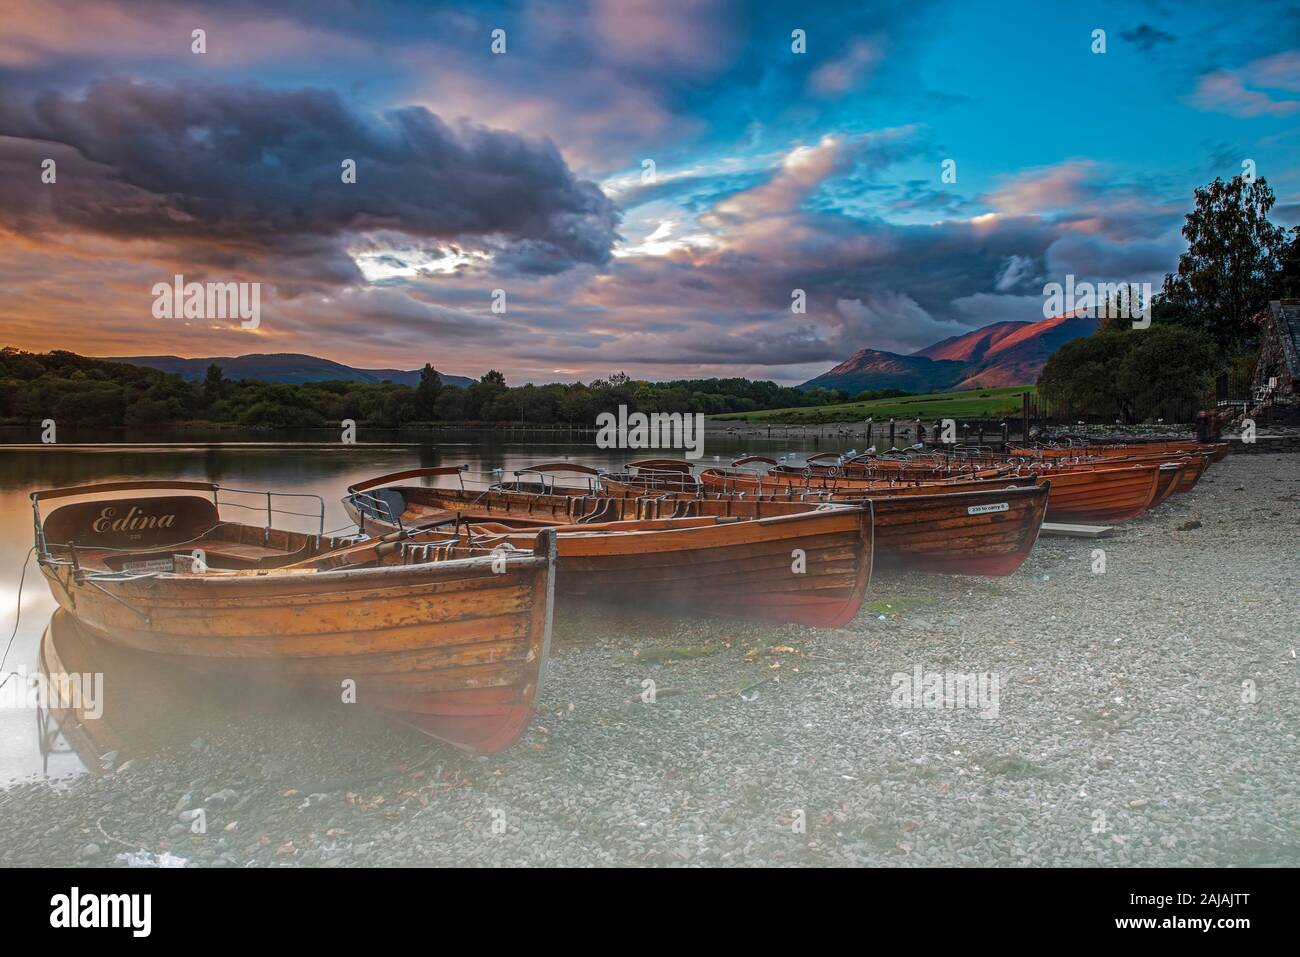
{"x": 1205, "y": 321}
{"x": 78, "y": 391}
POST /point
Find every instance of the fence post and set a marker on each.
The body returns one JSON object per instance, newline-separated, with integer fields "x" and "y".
{"x": 1024, "y": 416}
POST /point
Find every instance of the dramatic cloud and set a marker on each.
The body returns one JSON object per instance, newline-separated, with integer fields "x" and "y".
{"x": 1018, "y": 270}
{"x": 255, "y": 169}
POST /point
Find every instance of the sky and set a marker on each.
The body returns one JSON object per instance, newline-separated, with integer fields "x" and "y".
{"x": 622, "y": 185}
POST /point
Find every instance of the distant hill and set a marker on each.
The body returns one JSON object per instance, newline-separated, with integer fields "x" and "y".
{"x": 290, "y": 367}
{"x": 873, "y": 369}
{"x": 993, "y": 356}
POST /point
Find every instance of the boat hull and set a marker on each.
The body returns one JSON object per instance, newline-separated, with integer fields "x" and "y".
{"x": 1101, "y": 495}
{"x": 988, "y": 533}
{"x": 965, "y": 532}
{"x": 455, "y": 648}
{"x": 810, "y": 568}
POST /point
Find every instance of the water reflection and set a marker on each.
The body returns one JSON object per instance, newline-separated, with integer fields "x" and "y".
{"x": 99, "y": 700}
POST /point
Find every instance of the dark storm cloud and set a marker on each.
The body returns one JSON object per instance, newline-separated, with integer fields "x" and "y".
{"x": 258, "y": 169}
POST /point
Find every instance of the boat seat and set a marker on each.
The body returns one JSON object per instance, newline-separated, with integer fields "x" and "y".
{"x": 241, "y": 550}
{"x": 389, "y": 507}
{"x": 216, "y": 554}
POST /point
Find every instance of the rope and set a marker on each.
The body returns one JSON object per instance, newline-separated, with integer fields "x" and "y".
{"x": 18, "y": 616}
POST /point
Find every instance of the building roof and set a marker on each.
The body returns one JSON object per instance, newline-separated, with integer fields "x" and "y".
{"x": 1286, "y": 316}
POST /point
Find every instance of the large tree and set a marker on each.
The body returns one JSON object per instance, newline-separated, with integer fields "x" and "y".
{"x": 1138, "y": 375}
{"x": 1080, "y": 377}
{"x": 426, "y": 393}
{"x": 1232, "y": 263}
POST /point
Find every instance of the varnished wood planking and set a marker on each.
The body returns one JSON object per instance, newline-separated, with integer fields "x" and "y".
{"x": 459, "y": 644}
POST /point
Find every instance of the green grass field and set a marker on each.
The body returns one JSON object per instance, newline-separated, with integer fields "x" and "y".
{"x": 981, "y": 403}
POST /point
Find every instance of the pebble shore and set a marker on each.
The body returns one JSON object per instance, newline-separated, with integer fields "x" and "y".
{"x": 1148, "y": 715}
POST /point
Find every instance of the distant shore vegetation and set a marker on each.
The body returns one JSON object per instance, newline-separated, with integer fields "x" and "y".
{"x": 82, "y": 392}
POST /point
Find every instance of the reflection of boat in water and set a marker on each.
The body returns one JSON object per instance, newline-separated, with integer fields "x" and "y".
{"x": 142, "y": 703}
{"x": 451, "y": 638}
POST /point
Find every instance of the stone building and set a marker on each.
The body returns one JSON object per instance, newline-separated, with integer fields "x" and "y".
{"x": 1277, "y": 373}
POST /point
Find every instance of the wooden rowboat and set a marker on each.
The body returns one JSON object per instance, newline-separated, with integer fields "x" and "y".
{"x": 452, "y": 640}
{"x": 1093, "y": 492}
{"x": 871, "y": 468}
{"x": 1216, "y": 450}
{"x": 799, "y": 483}
{"x": 1102, "y": 495}
{"x": 1189, "y": 468}
{"x": 722, "y": 481}
{"x": 976, "y": 528}
{"x": 971, "y": 528}
{"x": 383, "y": 509}
{"x": 809, "y": 566}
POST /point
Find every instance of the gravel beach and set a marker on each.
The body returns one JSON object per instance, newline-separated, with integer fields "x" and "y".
{"x": 1146, "y": 715}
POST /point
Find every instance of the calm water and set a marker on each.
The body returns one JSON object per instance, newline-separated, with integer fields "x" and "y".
{"x": 312, "y": 468}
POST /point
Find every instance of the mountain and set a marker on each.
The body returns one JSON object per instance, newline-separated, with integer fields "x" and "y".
{"x": 1018, "y": 358}
{"x": 291, "y": 367}
{"x": 972, "y": 346}
{"x": 996, "y": 355}
{"x": 873, "y": 369}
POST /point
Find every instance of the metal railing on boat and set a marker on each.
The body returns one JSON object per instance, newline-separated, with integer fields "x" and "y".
{"x": 212, "y": 488}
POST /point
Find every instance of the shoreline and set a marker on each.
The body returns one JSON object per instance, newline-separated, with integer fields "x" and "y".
{"x": 1121, "y": 692}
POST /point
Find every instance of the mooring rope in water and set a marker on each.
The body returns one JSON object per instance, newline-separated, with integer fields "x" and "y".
{"x": 18, "y": 617}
